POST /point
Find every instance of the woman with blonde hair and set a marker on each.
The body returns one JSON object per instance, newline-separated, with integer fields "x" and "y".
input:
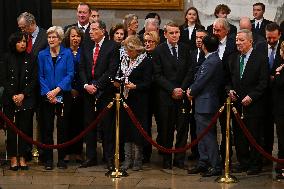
{"x": 56, "y": 72}
{"x": 135, "y": 73}
{"x": 130, "y": 23}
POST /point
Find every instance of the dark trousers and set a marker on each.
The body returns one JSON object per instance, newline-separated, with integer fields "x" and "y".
{"x": 172, "y": 118}
{"x": 49, "y": 111}
{"x": 247, "y": 155}
{"x": 91, "y": 111}
{"x": 192, "y": 131}
{"x": 24, "y": 122}
{"x": 90, "y": 115}
{"x": 76, "y": 125}
{"x": 208, "y": 146}
{"x": 279, "y": 120}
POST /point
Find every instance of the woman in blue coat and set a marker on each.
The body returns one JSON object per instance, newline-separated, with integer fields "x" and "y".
{"x": 56, "y": 72}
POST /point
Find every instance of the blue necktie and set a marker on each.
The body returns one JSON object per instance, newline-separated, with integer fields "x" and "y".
{"x": 271, "y": 57}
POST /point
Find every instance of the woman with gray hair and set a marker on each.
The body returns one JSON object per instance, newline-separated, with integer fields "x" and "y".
{"x": 56, "y": 72}
{"x": 135, "y": 73}
{"x": 130, "y": 23}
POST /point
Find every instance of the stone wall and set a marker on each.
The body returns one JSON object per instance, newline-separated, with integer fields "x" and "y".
{"x": 274, "y": 11}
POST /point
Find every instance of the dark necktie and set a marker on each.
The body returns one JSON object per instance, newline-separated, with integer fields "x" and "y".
{"x": 95, "y": 58}
{"x": 30, "y": 44}
{"x": 174, "y": 51}
{"x": 271, "y": 57}
{"x": 242, "y": 63}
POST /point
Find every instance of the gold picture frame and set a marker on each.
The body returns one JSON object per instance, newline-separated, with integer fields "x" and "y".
{"x": 122, "y": 4}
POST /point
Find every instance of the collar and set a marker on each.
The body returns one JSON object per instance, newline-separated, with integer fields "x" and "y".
{"x": 34, "y": 34}
{"x": 170, "y": 45}
{"x": 247, "y": 54}
{"x": 275, "y": 47}
{"x": 85, "y": 27}
{"x": 255, "y": 20}
{"x": 101, "y": 41}
{"x": 206, "y": 56}
{"x": 224, "y": 40}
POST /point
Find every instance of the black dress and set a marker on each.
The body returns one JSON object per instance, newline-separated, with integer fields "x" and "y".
{"x": 137, "y": 100}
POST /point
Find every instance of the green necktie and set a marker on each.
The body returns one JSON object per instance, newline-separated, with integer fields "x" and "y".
{"x": 242, "y": 62}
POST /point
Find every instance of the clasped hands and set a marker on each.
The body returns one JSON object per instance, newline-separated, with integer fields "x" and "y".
{"x": 51, "y": 95}
{"x": 128, "y": 85}
{"x": 18, "y": 99}
{"x": 177, "y": 93}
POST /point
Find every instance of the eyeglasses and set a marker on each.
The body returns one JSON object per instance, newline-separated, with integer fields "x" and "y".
{"x": 52, "y": 37}
{"x": 149, "y": 41}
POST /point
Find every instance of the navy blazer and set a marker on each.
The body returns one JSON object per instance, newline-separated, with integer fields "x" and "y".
{"x": 59, "y": 75}
{"x": 205, "y": 88}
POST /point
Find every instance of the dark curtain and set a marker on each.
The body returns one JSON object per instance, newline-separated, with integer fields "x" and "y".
{"x": 11, "y": 9}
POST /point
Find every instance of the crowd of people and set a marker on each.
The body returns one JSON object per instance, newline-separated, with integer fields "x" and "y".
{"x": 181, "y": 75}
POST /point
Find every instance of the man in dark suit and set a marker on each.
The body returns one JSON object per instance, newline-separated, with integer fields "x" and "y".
{"x": 36, "y": 41}
{"x": 172, "y": 74}
{"x": 205, "y": 91}
{"x": 222, "y": 11}
{"x": 227, "y": 46}
{"x": 272, "y": 51}
{"x": 259, "y": 42}
{"x": 97, "y": 66}
{"x": 246, "y": 87}
{"x": 27, "y": 23}
{"x": 259, "y": 23}
{"x": 83, "y": 16}
{"x": 197, "y": 57}
{"x": 152, "y": 24}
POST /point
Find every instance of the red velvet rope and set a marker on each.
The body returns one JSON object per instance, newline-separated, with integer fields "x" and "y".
{"x": 166, "y": 150}
{"x": 252, "y": 140}
{"x": 57, "y": 146}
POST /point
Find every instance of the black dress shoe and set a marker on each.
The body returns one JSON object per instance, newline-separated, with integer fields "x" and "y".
{"x": 48, "y": 165}
{"x": 253, "y": 171}
{"x": 179, "y": 165}
{"x": 110, "y": 165}
{"x": 196, "y": 170}
{"x": 280, "y": 176}
{"x": 61, "y": 164}
{"x": 212, "y": 172}
{"x": 167, "y": 165}
{"x": 14, "y": 168}
{"x": 24, "y": 167}
{"x": 89, "y": 163}
{"x": 239, "y": 169}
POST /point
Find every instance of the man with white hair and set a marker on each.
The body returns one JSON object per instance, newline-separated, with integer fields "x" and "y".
{"x": 227, "y": 46}
{"x": 246, "y": 87}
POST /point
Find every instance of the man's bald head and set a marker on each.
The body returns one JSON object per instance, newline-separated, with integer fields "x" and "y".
{"x": 245, "y": 23}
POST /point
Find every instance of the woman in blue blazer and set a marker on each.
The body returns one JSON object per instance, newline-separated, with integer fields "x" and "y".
{"x": 56, "y": 72}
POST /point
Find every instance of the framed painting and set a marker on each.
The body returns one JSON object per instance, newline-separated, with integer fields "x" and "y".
{"x": 122, "y": 4}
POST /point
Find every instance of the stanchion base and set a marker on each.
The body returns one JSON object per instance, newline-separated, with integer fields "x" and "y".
{"x": 228, "y": 179}
{"x": 116, "y": 174}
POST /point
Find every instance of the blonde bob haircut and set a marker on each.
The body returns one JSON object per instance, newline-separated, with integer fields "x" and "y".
{"x": 133, "y": 43}
{"x": 154, "y": 35}
{"x": 57, "y": 30}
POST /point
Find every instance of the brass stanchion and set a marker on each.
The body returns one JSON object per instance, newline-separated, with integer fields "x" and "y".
{"x": 117, "y": 173}
{"x": 227, "y": 178}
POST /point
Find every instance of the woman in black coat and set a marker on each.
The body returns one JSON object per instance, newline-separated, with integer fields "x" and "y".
{"x": 188, "y": 29}
{"x": 19, "y": 75}
{"x": 135, "y": 71}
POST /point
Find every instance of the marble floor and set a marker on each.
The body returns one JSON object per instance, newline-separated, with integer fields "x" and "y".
{"x": 152, "y": 177}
